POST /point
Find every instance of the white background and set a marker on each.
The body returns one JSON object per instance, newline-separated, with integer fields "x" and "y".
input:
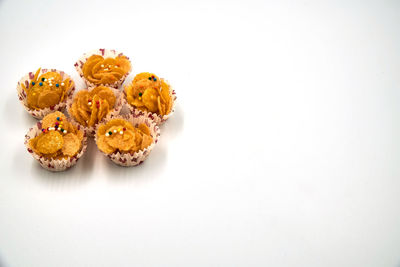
{"x": 283, "y": 150}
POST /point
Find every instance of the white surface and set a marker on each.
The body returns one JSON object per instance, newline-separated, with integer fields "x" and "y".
{"x": 283, "y": 151}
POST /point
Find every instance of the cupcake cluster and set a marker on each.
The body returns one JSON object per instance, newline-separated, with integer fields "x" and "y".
{"x": 58, "y": 141}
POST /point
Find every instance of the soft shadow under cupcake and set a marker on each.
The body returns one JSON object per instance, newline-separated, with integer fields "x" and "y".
{"x": 11, "y": 114}
{"x": 150, "y": 169}
{"x": 74, "y": 176}
{"x": 174, "y": 126}
{"x": 66, "y": 179}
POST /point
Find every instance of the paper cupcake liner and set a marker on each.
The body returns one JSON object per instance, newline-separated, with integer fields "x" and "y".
{"x": 55, "y": 165}
{"x": 90, "y": 131}
{"x": 104, "y": 53}
{"x": 133, "y": 159}
{"x": 39, "y": 114}
{"x": 158, "y": 119}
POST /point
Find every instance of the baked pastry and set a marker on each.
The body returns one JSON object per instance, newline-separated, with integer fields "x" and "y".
{"x": 104, "y": 67}
{"x": 119, "y": 134}
{"x": 55, "y": 142}
{"x": 59, "y": 138}
{"x": 150, "y": 94}
{"x": 127, "y": 140}
{"x": 45, "y": 91}
{"x": 90, "y": 107}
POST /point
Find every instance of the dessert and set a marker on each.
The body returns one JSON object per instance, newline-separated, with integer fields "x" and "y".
{"x": 127, "y": 140}
{"x": 150, "y": 94}
{"x": 89, "y": 107}
{"x": 55, "y": 142}
{"x": 104, "y": 67}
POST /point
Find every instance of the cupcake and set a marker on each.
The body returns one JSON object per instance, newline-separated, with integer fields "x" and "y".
{"x": 55, "y": 143}
{"x": 127, "y": 140}
{"x": 45, "y": 91}
{"x": 103, "y": 67}
{"x": 90, "y": 106}
{"x": 150, "y": 96}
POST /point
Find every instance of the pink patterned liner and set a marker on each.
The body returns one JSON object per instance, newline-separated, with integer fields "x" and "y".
{"x": 158, "y": 119}
{"x": 54, "y": 165}
{"x": 39, "y": 114}
{"x": 90, "y": 131}
{"x": 133, "y": 159}
{"x": 104, "y": 53}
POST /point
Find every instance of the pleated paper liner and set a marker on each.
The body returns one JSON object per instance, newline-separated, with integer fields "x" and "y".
{"x": 158, "y": 119}
{"x": 133, "y": 159}
{"x": 55, "y": 165}
{"x": 104, "y": 53}
{"x": 39, "y": 114}
{"x": 90, "y": 131}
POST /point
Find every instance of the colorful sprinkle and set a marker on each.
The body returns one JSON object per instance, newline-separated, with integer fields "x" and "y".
{"x": 121, "y": 132}
{"x": 154, "y": 79}
{"x": 109, "y": 133}
{"x": 43, "y": 79}
{"x": 140, "y": 94}
{"x": 115, "y": 131}
{"x": 62, "y": 84}
{"x": 58, "y": 118}
{"x": 150, "y": 78}
{"x": 40, "y": 83}
{"x": 57, "y": 85}
{"x": 33, "y": 83}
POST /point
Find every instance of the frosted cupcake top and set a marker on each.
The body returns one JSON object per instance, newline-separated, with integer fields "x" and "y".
{"x": 47, "y": 90}
{"x": 149, "y": 93}
{"x": 121, "y": 135}
{"x": 59, "y": 138}
{"x": 90, "y": 107}
{"x": 101, "y": 71}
